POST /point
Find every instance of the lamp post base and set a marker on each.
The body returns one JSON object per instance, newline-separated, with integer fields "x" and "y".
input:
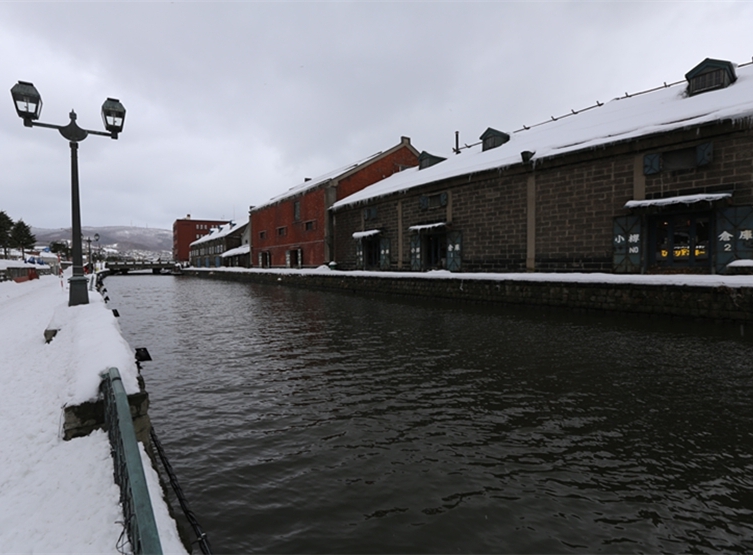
{"x": 78, "y": 293}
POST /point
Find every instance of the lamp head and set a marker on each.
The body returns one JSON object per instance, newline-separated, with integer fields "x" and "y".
{"x": 113, "y": 116}
{"x": 27, "y": 101}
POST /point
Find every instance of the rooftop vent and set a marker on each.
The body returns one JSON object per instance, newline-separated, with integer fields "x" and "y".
{"x": 492, "y": 139}
{"x": 425, "y": 160}
{"x": 709, "y": 75}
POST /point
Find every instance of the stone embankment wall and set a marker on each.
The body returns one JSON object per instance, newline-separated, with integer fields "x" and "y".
{"x": 688, "y": 301}
{"x": 81, "y": 420}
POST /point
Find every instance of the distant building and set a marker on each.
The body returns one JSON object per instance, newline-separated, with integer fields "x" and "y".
{"x": 660, "y": 181}
{"x": 186, "y": 231}
{"x": 207, "y": 251}
{"x": 293, "y": 229}
{"x": 239, "y": 256}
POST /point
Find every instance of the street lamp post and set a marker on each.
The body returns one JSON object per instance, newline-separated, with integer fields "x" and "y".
{"x": 89, "y": 260}
{"x": 28, "y": 104}
{"x": 96, "y": 239}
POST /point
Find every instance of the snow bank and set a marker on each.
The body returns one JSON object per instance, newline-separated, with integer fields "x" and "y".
{"x": 657, "y": 280}
{"x": 59, "y": 496}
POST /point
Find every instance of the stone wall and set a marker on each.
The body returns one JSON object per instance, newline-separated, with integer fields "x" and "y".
{"x": 558, "y": 214}
{"x": 81, "y": 420}
{"x": 706, "y": 302}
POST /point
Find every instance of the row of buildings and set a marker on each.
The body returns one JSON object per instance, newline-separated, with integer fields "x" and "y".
{"x": 660, "y": 181}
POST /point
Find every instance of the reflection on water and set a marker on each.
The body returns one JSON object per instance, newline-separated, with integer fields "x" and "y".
{"x": 302, "y": 421}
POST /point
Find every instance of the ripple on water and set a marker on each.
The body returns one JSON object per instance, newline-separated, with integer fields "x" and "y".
{"x": 303, "y": 421}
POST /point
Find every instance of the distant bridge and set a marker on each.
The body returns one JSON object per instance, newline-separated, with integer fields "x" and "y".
{"x": 157, "y": 267}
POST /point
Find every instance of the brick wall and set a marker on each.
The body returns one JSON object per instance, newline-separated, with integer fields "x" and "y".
{"x": 575, "y": 207}
{"x": 310, "y": 233}
{"x": 730, "y": 170}
{"x": 297, "y": 234}
{"x": 383, "y": 167}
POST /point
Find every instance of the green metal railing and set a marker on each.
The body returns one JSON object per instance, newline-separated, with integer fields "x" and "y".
{"x": 129, "y": 472}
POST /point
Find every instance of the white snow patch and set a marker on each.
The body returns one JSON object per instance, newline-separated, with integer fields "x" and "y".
{"x": 740, "y": 264}
{"x": 639, "y": 279}
{"x": 243, "y": 249}
{"x": 683, "y": 199}
{"x": 427, "y": 226}
{"x": 369, "y": 233}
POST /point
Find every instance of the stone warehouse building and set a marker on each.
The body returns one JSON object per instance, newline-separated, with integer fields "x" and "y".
{"x": 660, "y": 181}
{"x": 293, "y": 229}
{"x": 208, "y": 250}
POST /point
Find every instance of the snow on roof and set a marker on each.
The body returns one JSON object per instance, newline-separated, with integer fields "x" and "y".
{"x": 5, "y": 264}
{"x": 657, "y": 111}
{"x": 427, "y": 226}
{"x": 243, "y": 249}
{"x": 311, "y": 183}
{"x": 218, "y": 232}
{"x": 369, "y": 233}
{"x": 683, "y": 199}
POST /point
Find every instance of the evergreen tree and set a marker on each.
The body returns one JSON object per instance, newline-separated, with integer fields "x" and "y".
{"x": 21, "y": 237}
{"x": 61, "y": 248}
{"x": 6, "y": 224}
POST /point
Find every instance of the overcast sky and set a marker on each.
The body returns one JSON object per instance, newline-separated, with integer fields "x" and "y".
{"x": 230, "y": 104}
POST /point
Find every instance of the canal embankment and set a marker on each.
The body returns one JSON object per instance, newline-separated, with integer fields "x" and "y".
{"x": 59, "y": 495}
{"x": 712, "y": 297}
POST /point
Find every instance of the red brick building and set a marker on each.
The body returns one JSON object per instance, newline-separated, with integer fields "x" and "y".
{"x": 293, "y": 229}
{"x": 186, "y": 231}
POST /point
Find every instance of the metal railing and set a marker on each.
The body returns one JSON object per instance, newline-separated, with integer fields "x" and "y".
{"x": 201, "y": 536}
{"x": 129, "y": 472}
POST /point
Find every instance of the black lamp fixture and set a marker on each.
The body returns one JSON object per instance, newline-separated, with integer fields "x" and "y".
{"x": 27, "y": 101}
{"x": 113, "y": 116}
{"x": 28, "y": 104}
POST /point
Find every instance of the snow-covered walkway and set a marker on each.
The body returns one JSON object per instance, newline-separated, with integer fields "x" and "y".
{"x": 59, "y": 496}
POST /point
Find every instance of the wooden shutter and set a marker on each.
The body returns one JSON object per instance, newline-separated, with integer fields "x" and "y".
{"x": 359, "y": 254}
{"x": 734, "y": 236}
{"x": 384, "y": 253}
{"x": 454, "y": 243}
{"x": 628, "y": 244}
{"x": 652, "y": 163}
{"x": 704, "y": 154}
{"x": 415, "y": 252}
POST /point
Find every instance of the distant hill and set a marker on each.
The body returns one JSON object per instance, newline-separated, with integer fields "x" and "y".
{"x": 120, "y": 238}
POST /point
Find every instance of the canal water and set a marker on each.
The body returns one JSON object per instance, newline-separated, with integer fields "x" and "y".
{"x": 309, "y": 422}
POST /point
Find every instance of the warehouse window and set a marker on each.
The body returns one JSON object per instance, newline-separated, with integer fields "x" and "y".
{"x": 681, "y": 239}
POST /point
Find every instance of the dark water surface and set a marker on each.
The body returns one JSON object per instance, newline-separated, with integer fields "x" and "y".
{"x": 311, "y": 422}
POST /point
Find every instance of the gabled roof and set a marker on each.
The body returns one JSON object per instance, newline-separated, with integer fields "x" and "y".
{"x": 710, "y": 64}
{"x": 491, "y": 132}
{"x": 426, "y": 160}
{"x": 661, "y": 110}
{"x": 218, "y": 232}
{"x": 333, "y": 175}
